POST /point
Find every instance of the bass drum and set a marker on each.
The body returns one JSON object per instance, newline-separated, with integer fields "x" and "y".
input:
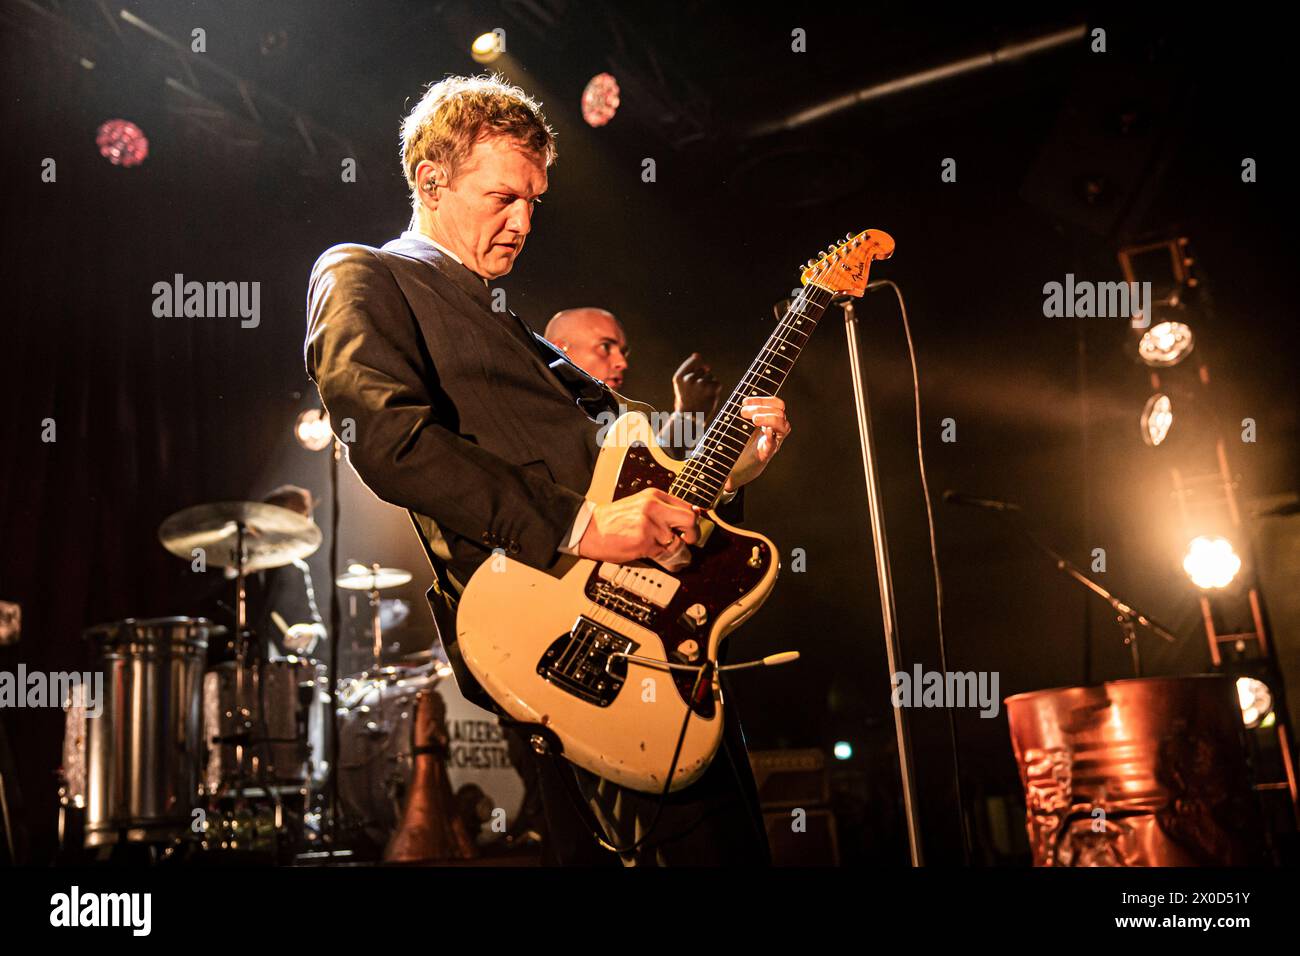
{"x": 375, "y": 762}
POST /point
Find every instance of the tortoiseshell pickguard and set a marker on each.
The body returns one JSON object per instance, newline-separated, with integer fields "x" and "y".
{"x": 720, "y": 573}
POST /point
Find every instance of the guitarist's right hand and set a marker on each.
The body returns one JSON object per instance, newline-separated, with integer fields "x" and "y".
{"x": 649, "y": 524}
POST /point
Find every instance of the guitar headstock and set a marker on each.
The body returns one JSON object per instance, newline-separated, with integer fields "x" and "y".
{"x": 845, "y": 269}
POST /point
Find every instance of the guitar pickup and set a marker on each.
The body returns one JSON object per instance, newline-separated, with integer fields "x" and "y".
{"x": 647, "y": 584}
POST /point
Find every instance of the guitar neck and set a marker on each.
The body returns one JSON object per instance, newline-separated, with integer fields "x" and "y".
{"x": 707, "y": 468}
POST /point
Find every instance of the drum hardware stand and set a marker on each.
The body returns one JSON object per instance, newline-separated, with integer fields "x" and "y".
{"x": 378, "y": 627}
{"x": 254, "y": 735}
{"x": 6, "y": 816}
{"x": 884, "y": 573}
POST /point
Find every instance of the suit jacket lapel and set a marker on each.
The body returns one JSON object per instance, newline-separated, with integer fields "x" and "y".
{"x": 474, "y": 287}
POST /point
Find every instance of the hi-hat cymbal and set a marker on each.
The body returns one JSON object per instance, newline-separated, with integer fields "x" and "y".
{"x": 361, "y": 578}
{"x": 273, "y": 536}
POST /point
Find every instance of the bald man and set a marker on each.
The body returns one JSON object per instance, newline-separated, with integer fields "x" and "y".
{"x": 595, "y": 342}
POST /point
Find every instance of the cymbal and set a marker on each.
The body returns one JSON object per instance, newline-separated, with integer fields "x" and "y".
{"x": 273, "y": 536}
{"x": 361, "y": 578}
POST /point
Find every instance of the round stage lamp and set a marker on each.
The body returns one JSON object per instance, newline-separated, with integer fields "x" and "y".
{"x": 486, "y": 47}
{"x": 1157, "y": 418}
{"x": 1256, "y": 700}
{"x": 122, "y": 143}
{"x": 843, "y": 750}
{"x": 313, "y": 430}
{"x": 1166, "y": 344}
{"x": 1211, "y": 562}
{"x": 600, "y": 99}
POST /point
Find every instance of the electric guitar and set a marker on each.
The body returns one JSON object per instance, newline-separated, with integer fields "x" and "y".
{"x": 618, "y": 661}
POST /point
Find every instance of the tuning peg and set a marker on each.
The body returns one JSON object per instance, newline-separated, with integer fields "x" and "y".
{"x": 848, "y": 235}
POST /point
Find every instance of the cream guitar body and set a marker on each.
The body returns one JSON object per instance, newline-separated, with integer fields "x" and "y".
{"x": 540, "y": 642}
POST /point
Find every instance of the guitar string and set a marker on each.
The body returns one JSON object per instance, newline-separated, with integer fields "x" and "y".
{"x": 701, "y": 461}
{"x": 694, "y": 470}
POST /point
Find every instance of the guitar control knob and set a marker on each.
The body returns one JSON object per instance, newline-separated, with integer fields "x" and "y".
{"x": 695, "y": 616}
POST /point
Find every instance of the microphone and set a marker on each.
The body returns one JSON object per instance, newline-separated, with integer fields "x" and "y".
{"x": 970, "y": 501}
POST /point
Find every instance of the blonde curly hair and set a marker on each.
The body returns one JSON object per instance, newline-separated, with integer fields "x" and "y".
{"x": 457, "y": 112}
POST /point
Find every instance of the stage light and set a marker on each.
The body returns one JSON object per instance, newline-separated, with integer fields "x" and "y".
{"x": 1211, "y": 562}
{"x": 1166, "y": 344}
{"x": 843, "y": 750}
{"x": 486, "y": 48}
{"x": 122, "y": 143}
{"x": 1157, "y": 418}
{"x": 313, "y": 430}
{"x": 1256, "y": 701}
{"x": 600, "y": 99}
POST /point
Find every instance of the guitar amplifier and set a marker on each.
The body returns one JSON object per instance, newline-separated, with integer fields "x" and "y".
{"x": 794, "y": 794}
{"x": 790, "y": 778}
{"x": 812, "y": 840}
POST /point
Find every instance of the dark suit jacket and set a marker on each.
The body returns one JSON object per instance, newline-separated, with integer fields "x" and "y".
{"x": 456, "y": 417}
{"x": 448, "y": 408}
{"x": 461, "y": 416}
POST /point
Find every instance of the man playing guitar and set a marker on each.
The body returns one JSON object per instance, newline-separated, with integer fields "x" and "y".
{"x": 450, "y": 410}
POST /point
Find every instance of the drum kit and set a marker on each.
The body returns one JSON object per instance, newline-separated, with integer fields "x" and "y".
{"x": 205, "y": 744}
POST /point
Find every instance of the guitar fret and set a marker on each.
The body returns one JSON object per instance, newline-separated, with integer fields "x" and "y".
{"x": 706, "y": 471}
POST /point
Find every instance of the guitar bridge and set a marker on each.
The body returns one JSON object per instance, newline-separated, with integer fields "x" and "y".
{"x": 580, "y": 662}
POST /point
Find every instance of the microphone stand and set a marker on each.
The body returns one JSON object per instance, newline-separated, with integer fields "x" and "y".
{"x": 1127, "y": 616}
{"x": 884, "y": 574}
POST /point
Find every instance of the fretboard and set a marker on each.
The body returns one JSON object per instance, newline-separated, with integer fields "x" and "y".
{"x": 707, "y": 468}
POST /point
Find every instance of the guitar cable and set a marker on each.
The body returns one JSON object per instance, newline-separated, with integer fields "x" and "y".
{"x": 704, "y": 672}
{"x": 584, "y": 809}
{"x": 934, "y": 561}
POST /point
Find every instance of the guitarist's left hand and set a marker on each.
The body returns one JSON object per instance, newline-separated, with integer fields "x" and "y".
{"x": 767, "y": 412}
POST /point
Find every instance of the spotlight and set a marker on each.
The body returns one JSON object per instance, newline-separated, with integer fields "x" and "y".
{"x": 600, "y": 99}
{"x": 487, "y": 47}
{"x": 1157, "y": 419}
{"x": 1166, "y": 344}
{"x": 843, "y": 750}
{"x": 313, "y": 429}
{"x": 1256, "y": 701}
{"x": 122, "y": 143}
{"x": 1211, "y": 562}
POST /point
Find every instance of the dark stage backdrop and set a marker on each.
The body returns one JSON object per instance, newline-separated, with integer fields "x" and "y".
{"x": 154, "y": 414}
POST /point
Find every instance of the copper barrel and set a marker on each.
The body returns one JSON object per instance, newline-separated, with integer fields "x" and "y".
{"x": 1147, "y": 772}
